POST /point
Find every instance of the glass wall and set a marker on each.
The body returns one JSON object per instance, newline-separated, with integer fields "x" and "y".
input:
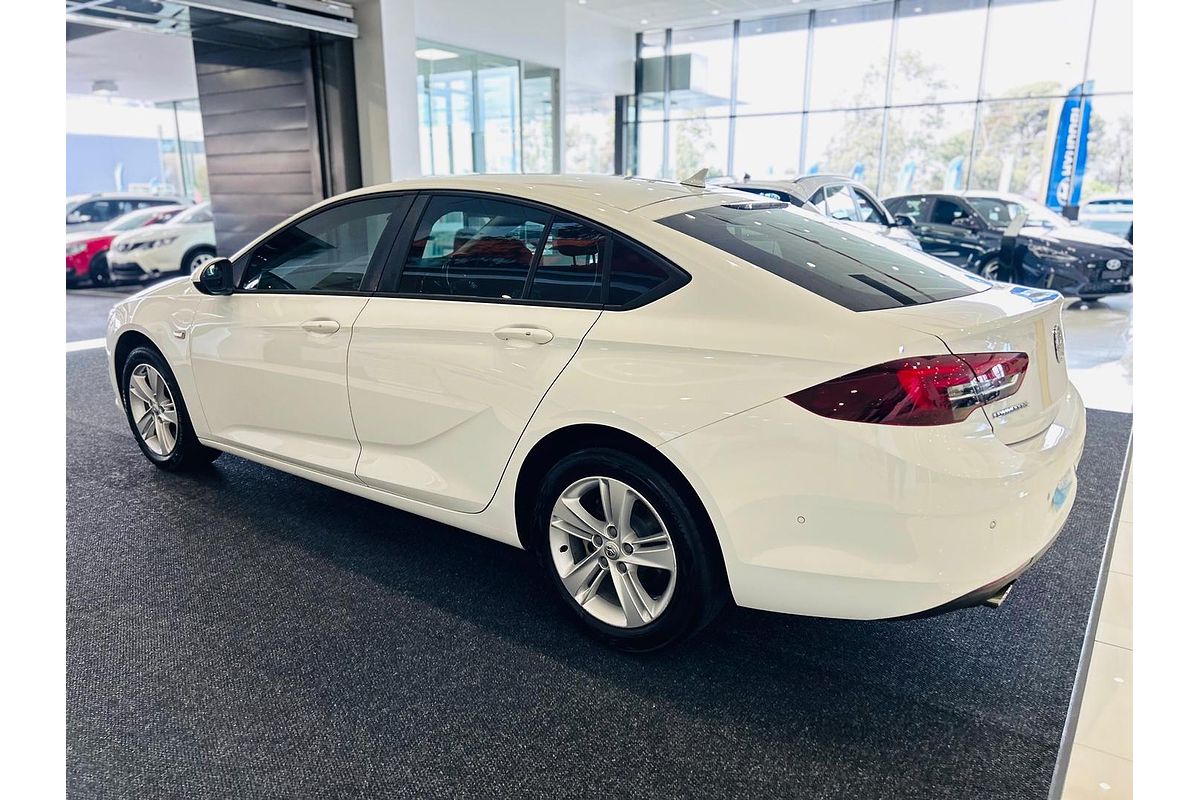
{"x": 484, "y": 113}
{"x": 908, "y": 95}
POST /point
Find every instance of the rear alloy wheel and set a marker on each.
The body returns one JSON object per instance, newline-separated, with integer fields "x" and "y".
{"x": 635, "y": 562}
{"x": 991, "y": 269}
{"x": 157, "y": 415}
{"x": 98, "y": 270}
{"x": 619, "y": 564}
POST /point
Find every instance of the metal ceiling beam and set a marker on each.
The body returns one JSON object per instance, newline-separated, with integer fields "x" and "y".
{"x": 283, "y": 16}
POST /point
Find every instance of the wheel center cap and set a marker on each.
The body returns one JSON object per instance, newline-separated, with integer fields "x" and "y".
{"x": 611, "y": 552}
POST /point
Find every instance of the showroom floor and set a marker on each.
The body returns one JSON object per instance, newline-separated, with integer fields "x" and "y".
{"x": 1099, "y": 342}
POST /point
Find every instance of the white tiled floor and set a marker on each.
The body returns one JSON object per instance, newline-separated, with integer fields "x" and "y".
{"x": 1100, "y": 352}
{"x": 1100, "y": 360}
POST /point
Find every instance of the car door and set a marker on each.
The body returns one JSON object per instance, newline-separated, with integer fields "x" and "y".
{"x": 953, "y": 232}
{"x": 269, "y": 361}
{"x": 483, "y": 303}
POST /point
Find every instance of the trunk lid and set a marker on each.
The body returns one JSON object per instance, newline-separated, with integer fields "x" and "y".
{"x": 1016, "y": 319}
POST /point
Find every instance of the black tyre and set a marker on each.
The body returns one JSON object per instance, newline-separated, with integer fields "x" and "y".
{"x": 157, "y": 415}
{"x": 990, "y": 269}
{"x": 632, "y": 559}
{"x": 98, "y": 270}
{"x": 195, "y": 257}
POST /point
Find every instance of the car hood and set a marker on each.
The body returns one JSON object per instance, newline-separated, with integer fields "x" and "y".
{"x": 84, "y": 236}
{"x": 1080, "y": 237}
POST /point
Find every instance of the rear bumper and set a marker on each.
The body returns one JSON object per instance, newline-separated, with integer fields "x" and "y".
{"x": 840, "y": 519}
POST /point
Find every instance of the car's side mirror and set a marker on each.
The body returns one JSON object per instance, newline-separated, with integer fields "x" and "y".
{"x": 905, "y": 221}
{"x": 214, "y": 277}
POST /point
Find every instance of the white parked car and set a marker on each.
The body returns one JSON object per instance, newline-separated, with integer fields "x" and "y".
{"x": 670, "y": 394}
{"x": 837, "y": 197}
{"x": 181, "y": 244}
{"x": 90, "y": 212}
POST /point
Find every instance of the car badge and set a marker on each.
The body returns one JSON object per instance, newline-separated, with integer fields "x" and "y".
{"x": 1004, "y": 412}
{"x": 1060, "y": 347}
{"x": 1112, "y": 263}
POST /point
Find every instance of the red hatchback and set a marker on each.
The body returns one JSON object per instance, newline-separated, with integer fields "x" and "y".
{"x": 87, "y": 251}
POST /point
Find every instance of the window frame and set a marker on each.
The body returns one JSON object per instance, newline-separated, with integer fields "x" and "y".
{"x": 404, "y": 203}
{"x": 393, "y": 267}
{"x": 878, "y": 207}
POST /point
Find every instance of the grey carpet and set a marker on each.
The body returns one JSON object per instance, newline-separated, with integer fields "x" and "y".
{"x": 245, "y": 633}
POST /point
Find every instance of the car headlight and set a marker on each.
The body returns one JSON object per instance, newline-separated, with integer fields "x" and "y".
{"x": 1050, "y": 253}
{"x": 76, "y": 249}
{"x": 161, "y": 242}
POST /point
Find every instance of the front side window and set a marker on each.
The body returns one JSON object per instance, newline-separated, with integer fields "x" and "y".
{"x": 571, "y": 266}
{"x": 947, "y": 212}
{"x": 912, "y": 207}
{"x": 99, "y": 211}
{"x": 473, "y": 247}
{"x": 867, "y": 210}
{"x": 838, "y": 203}
{"x": 861, "y": 273}
{"x": 326, "y": 252}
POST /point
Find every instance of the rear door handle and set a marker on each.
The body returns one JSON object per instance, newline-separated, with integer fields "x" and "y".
{"x": 325, "y": 326}
{"x": 523, "y": 333}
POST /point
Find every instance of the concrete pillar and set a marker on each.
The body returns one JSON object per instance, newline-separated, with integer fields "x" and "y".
{"x": 386, "y": 78}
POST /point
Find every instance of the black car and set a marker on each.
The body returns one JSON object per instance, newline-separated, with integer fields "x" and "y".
{"x": 976, "y": 230}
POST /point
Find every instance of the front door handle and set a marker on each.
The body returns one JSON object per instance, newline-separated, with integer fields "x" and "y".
{"x": 523, "y": 333}
{"x": 325, "y": 326}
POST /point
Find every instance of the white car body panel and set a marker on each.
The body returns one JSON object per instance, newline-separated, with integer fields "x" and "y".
{"x": 416, "y": 404}
{"x": 430, "y": 382}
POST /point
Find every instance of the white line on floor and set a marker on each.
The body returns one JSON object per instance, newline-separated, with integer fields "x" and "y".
{"x": 86, "y": 344}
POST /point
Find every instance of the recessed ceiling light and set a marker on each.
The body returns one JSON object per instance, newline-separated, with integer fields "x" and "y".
{"x": 583, "y": 2}
{"x": 715, "y": 12}
{"x": 434, "y": 54}
{"x": 645, "y": 22}
{"x": 917, "y": 10}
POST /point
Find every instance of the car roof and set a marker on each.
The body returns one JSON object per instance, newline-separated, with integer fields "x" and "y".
{"x": 807, "y": 184}
{"x": 566, "y": 191}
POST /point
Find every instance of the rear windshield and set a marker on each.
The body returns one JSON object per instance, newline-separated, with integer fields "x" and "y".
{"x": 859, "y": 272}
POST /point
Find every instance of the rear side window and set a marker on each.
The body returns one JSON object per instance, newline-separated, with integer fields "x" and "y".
{"x": 837, "y": 203}
{"x": 571, "y": 266}
{"x": 861, "y": 273}
{"x": 634, "y": 274}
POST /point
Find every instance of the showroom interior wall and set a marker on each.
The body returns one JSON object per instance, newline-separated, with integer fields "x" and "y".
{"x": 912, "y": 95}
{"x": 593, "y": 55}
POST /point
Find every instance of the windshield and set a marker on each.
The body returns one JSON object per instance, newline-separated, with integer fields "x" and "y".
{"x": 999, "y": 211}
{"x": 859, "y": 272}
{"x": 200, "y": 213}
{"x": 135, "y": 219}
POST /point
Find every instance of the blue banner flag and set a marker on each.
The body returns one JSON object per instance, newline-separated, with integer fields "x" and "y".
{"x": 1068, "y": 159}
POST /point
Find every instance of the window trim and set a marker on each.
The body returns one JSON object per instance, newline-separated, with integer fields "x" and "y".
{"x": 404, "y": 203}
{"x": 393, "y": 268}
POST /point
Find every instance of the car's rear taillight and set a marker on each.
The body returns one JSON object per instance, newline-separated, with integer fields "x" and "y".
{"x": 921, "y": 390}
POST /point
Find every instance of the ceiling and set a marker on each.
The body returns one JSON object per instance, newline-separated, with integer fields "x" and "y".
{"x": 650, "y": 14}
{"x": 145, "y": 66}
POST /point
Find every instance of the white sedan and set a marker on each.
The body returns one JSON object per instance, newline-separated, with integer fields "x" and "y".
{"x": 670, "y": 394}
{"x": 181, "y": 244}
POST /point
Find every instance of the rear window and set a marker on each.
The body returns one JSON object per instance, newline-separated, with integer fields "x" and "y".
{"x": 861, "y": 273}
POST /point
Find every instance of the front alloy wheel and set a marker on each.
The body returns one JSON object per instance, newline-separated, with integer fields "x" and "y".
{"x": 152, "y": 407}
{"x": 612, "y": 552}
